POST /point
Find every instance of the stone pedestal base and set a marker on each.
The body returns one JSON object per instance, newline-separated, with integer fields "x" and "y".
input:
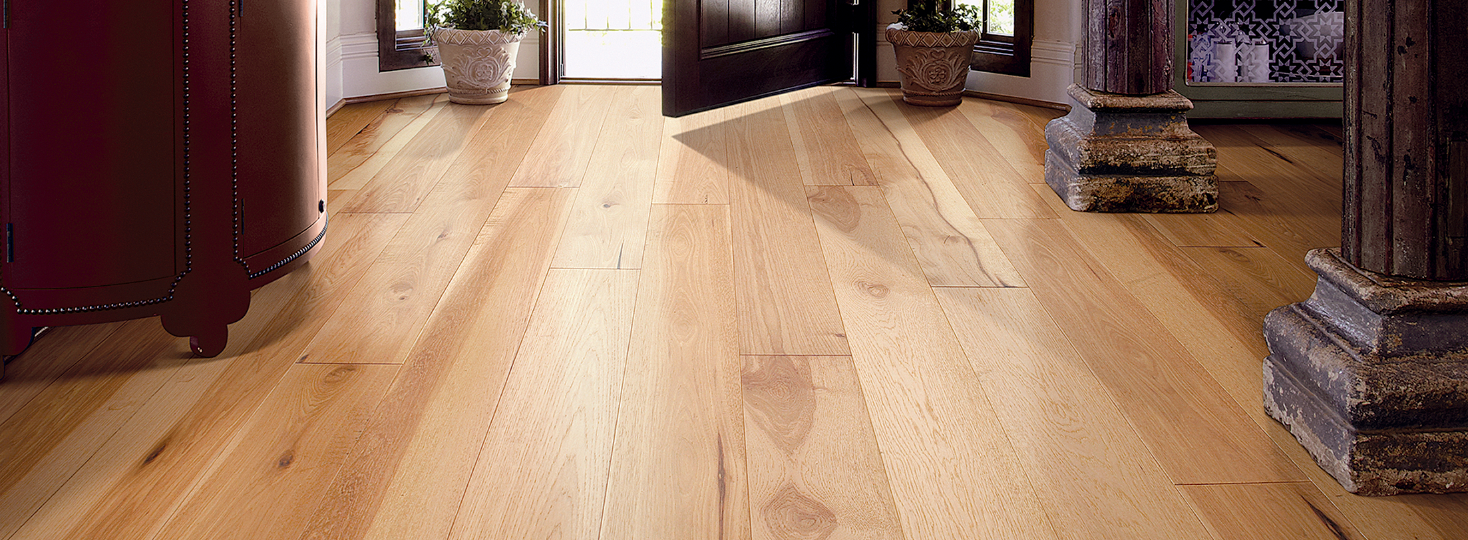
{"x": 1371, "y": 376}
{"x": 1116, "y": 153}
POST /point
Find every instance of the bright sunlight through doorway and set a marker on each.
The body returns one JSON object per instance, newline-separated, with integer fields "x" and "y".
{"x": 613, "y": 39}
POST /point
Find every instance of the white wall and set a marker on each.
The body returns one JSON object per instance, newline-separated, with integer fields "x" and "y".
{"x": 1054, "y": 63}
{"x": 351, "y": 54}
{"x": 351, "y": 62}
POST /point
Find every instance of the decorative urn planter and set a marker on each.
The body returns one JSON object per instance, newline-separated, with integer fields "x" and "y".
{"x": 477, "y": 64}
{"x": 933, "y": 66}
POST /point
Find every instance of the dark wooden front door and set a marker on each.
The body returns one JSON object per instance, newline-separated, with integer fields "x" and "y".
{"x": 718, "y": 52}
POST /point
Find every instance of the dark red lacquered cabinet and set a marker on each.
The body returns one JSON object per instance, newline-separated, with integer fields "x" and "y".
{"x": 161, "y": 158}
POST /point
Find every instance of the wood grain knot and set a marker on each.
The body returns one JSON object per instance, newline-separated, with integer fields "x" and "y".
{"x": 836, "y": 205}
{"x": 792, "y": 514}
{"x": 286, "y": 459}
{"x": 157, "y": 451}
{"x": 340, "y": 374}
{"x": 876, "y": 290}
{"x": 780, "y": 398}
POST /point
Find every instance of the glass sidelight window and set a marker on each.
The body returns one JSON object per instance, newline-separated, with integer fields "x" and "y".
{"x": 400, "y": 35}
{"x": 408, "y": 14}
{"x": 1266, "y": 41}
{"x": 1007, "y": 32}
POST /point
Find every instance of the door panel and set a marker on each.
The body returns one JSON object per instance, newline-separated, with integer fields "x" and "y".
{"x": 91, "y": 133}
{"x": 277, "y": 89}
{"x": 718, "y": 52}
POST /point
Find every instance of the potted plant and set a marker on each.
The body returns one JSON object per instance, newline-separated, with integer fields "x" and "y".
{"x": 477, "y": 43}
{"x": 934, "y": 46}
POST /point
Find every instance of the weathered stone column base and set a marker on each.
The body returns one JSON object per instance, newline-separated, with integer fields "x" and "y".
{"x": 1116, "y": 153}
{"x": 1371, "y": 376}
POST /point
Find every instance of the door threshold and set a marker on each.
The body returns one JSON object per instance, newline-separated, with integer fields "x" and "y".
{"x": 638, "y": 82}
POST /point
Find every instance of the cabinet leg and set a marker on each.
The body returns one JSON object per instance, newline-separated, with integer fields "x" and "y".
{"x": 211, "y": 341}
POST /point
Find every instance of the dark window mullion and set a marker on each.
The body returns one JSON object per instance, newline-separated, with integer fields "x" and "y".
{"x": 1009, "y": 55}
{"x": 399, "y": 49}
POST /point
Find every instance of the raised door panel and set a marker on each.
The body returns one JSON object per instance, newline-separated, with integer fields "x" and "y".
{"x": 278, "y": 179}
{"x": 91, "y": 132}
{"x": 720, "y": 52}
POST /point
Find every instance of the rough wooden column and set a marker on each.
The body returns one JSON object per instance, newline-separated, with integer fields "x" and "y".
{"x": 1407, "y": 140}
{"x": 1371, "y": 373}
{"x": 1126, "y": 146}
{"x": 1131, "y": 43}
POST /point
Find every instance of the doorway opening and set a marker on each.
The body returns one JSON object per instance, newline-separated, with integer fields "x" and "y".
{"x": 612, "y": 40}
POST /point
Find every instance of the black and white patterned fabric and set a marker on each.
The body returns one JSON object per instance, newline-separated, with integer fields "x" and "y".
{"x": 1255, "y": 41}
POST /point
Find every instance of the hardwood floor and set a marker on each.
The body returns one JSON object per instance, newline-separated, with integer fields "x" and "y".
{"x": 821, "y": 315}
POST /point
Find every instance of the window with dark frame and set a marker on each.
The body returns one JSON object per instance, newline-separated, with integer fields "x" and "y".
{"x": 1008, "y": 32}
{"x": 400, "y": 36}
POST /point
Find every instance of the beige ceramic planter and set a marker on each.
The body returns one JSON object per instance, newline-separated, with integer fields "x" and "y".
{"x": 477, "y": 64}
{"x": 933, "y": 65}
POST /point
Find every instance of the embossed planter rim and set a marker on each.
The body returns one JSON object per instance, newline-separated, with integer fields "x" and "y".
{"x": 898, "y": 35}
{"x": 456, "y": 36}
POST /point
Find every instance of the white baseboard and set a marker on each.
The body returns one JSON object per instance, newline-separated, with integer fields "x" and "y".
{"x": 360, "y": 76}
{"x": 1052, "y": 70}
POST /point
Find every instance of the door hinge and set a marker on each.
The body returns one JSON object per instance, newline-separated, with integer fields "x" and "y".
{"x": 9, "y": 243}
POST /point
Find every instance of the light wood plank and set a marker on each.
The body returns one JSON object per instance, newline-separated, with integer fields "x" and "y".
{"x": 1013, "y": 136}
{"x": 137, "y": 480}
{"x": 1039, "y": 117}
{"x": 563, "y": 146}
{"x": 990, "y": 184}
{"x": 608, "y": 224}
{"x": 814, "y": 470}
{"x": 349, "y": 120}
{"x": 1258, "y": 279}
{"x": 1239, "y": 152}
{"x": 825, "y": 148}
{"x": 949, "y": 241}
{"x": 1196, "y": 431}
{"x": 284, "y": 456}
{"x": 406, "y": 181}
{"x": 501, "y": 144}
{"x": 1220, "y": 332}
{"x": 385, "y": 313}
{"x": 1091, "y": 470}
{"x": 1202, "y": 230}
{"x": 44, "y": 443}
{"x": 693, "y": 165}
{"x": 115, "y": 456}
{"x": 782, "y": 286}
{"x": 33, "y": 370}
{"x": 336, "y": 200}
{"x": 1306, "y": 144}
{"x": 1439, "y": 516}
{"x": 1227, "y": 340}
{"x": 355, "y": 164}
{"x": 678, "y": 465}
{"x": 953, "y": 471}
{"x": 1281, "y": 223}
{"x": 408, "y": 471}
{"x": 543, "y": 470}
{"x": 1269, "y": 511}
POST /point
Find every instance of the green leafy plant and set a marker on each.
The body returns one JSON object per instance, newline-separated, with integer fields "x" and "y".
{"x": 509, "y": 16}
{"x": 931, "y": 16}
